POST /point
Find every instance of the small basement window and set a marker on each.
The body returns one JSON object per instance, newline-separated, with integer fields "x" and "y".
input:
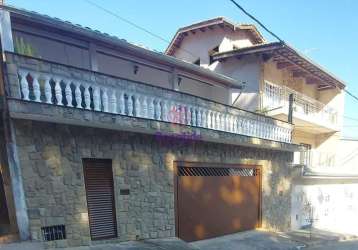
{"x": 51, "y": 233}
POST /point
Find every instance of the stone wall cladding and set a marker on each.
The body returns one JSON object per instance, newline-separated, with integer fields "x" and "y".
{"x": 51, "y": 160}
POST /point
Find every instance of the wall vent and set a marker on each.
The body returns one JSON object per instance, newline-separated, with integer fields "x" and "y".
{"x": 207, "y": 171}
{"x": 57, "y": 232}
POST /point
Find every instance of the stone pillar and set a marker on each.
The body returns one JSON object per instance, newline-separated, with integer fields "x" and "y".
{"x": 16, "y": 183}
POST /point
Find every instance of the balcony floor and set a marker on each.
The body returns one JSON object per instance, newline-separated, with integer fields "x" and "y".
{"x": 304, "y": 123}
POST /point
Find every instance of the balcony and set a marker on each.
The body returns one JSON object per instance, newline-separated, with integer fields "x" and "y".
{"x": 308, "y": 114}
{"x": 46, "y": 91}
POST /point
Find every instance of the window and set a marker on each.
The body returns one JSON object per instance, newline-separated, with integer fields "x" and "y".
{"x": 197, "y": 62}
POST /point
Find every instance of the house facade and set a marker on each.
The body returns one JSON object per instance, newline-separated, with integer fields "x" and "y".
{"x": 324, "y": 195}
{"x": 104, "y": 141}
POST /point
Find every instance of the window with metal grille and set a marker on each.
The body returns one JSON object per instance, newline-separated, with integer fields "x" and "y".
{"x": 57, "y": 232}
{"x": 207, "y": 171}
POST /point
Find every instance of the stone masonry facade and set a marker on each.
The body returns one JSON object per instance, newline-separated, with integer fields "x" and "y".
{"x": 51, "y": 157}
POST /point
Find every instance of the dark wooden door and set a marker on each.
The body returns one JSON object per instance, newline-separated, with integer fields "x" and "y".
{"x": 214, "y": 201}
{"x": 100, "y": 198}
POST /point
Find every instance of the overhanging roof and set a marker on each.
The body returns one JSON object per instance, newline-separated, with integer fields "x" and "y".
{"x": 209, "y": 25}
{"x": 287, "y": 57}
{"x": 56, "y": 24}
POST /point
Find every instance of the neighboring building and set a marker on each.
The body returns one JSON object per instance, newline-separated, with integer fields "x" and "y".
{"x": 105, "y": 141}
{"x": 270, "y": 73}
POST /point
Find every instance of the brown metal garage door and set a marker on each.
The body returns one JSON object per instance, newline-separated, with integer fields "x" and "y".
{"x": 214, "y": 201}
{"x": 100, "y": 198}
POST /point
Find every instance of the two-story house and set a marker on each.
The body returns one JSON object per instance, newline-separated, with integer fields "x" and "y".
{"x": 104, "y": 141}
{"x": 271, "y": 72}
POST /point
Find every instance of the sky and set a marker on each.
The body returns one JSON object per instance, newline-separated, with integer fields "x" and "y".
{"x": 324, "y": 30}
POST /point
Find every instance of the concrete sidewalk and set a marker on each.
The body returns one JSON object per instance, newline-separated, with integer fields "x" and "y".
{"x": 251, "y": 240}
{"x": 157, "y": 244}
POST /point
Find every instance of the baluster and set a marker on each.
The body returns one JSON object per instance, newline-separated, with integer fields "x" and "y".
{"x": 176, "y": 113}
{"x": 239, "y": 125}
{"x": 137, "y": 105}
{"x": 228, "y": 123}
{"x": 78, "y": 96}
{"x": 259, "y": 128}
{"x": 210, "y": 119}
{"x": 266, "y": 131}
{"x": 188, "y": 115}
{"x": 68, "y": 93}
{"x": 158, "y": 110}
{"x": 182, "y": 114}
{"x": 270, "y": 131}
{"x": 223, "y": 122}
{"x": 193, "y": 117}
{"x": 97, "y": 98}
{"x": 58, "y": 91}
{"x": 151, "y": 108}
{"x": 87, "y": 96}
{"x": 36, "y": 86}
{"x": 244, "y": 126}
{"x": 171, "y": 111}
{"x": 203, "y": 119}
{"x": 200, "y": 117}
{"x": 144, "y": 107}
{"x": 130, "y": 104}
{"x": 254, "y": 127}
{"x": 122, "y": 104}
{"x": 48, "y": 90}
{"x": 113, "y": 102}
{"x": 105, "y": 100}
{"x": 24, "y": 85}
{"x": 165, "y": 111}
{"x": 220, "y": 121}
{"x": 234, "y": 125}
{"x": 214, "y": 120}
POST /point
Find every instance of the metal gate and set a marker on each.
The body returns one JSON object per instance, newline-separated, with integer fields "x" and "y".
{"x": 216, "y": 200}
{"x": 100, "y": 198}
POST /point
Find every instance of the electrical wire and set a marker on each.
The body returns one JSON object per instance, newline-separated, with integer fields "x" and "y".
{"x": 184, "y": 50}
{"x": 257, "y": 21}
{"x": 136, "y": 26}
{"x": 276, "y": 36}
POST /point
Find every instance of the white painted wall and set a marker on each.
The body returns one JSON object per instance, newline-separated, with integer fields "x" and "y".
{"x": 347, "y": 156}
{"x": 199, "y": 44}
{"x": 335, "y": 207}
{"x": 245, "y": 71}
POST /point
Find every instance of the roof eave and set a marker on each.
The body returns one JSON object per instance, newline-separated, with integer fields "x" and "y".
{"x": 215, "y": 21}
{"x": 269, "y": 47}
{"x": 114, "y": 41}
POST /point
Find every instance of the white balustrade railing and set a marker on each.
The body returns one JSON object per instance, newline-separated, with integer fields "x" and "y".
{"x": 276, "y": 96}
{"x": 57, "y": 90}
